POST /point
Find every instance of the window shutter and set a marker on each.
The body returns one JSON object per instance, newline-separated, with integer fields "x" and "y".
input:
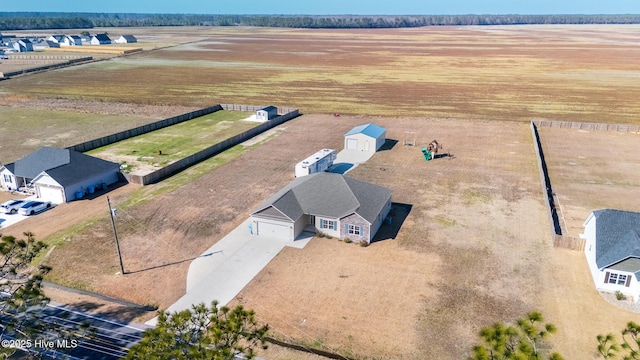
{"x": 628, "y": 281}
{"x": 606, "y": 277}
{"x": 361, "y": 233}
{"x": 335, "y": 225}
{"x": 346, "y": 229}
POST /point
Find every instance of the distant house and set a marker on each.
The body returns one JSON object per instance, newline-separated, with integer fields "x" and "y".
{"x": 58, "y": 38}
{"x": 42, "y": 43}
{"x": 612, "y": 248}
{"x": 368, "y": 138}
{"x": 100, "y": 39}
{"x": 126, "y": 39}
{"x": 6, "y": 39}
{"x": 59, "y": 175}
{"x": 72, "y": 40}
{"x": 21, "y": 45}
{"x": 267, "y": 113}
{"x": 333, "y": 204}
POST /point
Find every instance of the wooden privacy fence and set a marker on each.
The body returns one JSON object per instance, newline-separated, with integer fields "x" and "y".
{"x": 554, "y": 221}
{"x": 173, "y": 168}
{"x": 568, "y": 242}
{"x": 588, "y": 126}
{"x": 143, "y": 129}
{"x": 223, "y": 145}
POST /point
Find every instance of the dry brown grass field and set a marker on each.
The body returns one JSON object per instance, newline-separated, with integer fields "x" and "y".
{"x": 582, "y": 73}
{"x": 475, "y": 247}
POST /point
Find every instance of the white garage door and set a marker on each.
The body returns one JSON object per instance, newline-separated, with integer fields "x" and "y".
{"x": 274, "y": 230}
{"x": 53, "y": 194}
{"x": 352, "y": 144}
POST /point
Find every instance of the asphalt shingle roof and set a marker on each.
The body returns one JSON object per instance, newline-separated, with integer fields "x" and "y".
{"x": 40, "y": 160}
{"x": 330, "y": 195}
{"x": 617, "y": 236}
{"x": 80, "y": 167}
{"x": 63, "y": 165}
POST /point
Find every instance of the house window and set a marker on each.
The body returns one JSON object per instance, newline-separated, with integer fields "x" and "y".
{"x": 7, "y": 178}
{"x": 354, "y": 230}
{"x": 617, "y": 279}
{"x": 327, "y": 224}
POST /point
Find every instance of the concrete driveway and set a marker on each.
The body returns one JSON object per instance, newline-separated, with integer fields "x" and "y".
{"x": 222, "y": 271}
{"x": 7, "y": 220}
{"x": 347, "y": 160}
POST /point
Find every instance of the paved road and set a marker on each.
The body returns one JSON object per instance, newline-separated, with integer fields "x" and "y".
{"x": 109, "y": 339}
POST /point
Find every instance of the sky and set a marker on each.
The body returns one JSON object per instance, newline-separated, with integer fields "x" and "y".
{"x": 330, "y": 7}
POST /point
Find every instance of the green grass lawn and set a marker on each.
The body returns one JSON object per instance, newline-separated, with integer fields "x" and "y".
{"x": 177, "y": 141}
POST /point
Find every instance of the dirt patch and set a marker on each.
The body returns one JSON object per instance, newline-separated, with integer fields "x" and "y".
{"x": 468, "y": 254}
{"x": 96, "y": 107}
{"x": 570, "y": 72}
{"x": 474, "y": 248}
{"x": 589, "y": 170}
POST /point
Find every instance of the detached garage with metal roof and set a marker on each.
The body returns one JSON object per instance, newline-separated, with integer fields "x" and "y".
{"x": 368, "y": 138}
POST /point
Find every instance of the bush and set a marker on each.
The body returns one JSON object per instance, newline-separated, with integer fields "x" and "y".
{"x": 620, "y": 295}
{"x": 347, "y": 240}
{"x": 364, "y": 243}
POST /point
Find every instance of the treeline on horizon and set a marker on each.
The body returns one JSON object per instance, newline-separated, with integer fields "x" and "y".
{"x": 36, "y": 21}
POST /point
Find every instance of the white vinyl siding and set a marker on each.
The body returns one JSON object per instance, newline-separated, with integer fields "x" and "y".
{"x": 616, "y": 279}
{"x": 328, "y": 224}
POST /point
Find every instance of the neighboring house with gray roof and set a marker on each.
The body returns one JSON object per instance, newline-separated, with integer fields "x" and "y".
{"x": 367, "y": 138}
{"x": 100, "y": 39}
{"x": 126, "y": 39}
{"x": 612, "y": 248}
{"x": 333, "y": 204}
{"x": 59, "y": 175}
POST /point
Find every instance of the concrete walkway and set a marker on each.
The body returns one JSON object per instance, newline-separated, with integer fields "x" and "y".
{"x": 222, "y": 271}
{"x": 347, "y": 160}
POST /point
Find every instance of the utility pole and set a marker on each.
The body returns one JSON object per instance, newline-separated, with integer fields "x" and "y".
{"x": 115, "y": 233}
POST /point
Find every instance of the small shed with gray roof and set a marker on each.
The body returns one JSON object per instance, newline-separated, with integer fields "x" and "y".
{"x": 267, "y": 113}
{"x": 367, "y": 138}
{"x": 612, "y": 248}
{"x": 333, "y": 204}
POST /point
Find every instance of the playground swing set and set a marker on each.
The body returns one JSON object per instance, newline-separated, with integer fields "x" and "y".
{"x": 429, "y": 152}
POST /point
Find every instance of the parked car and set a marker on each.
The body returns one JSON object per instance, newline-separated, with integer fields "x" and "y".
{"x": 33, "y": 207}
{"x": 11, "y": 206}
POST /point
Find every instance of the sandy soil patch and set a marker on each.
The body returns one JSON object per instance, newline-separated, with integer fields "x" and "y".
{"x": 474, "y": 248}
{"x": 589, "y": 170}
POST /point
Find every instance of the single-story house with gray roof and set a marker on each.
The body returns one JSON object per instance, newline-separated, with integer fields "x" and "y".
{"x": 368, "y": 138}
{"x": 333, "y": 204}
{"x": 612, "y": 248}
{"x": 59, "y": 175}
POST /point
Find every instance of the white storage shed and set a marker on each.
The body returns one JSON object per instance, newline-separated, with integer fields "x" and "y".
{"x": 267, "y": 113}
{"x": 368, "y": 138}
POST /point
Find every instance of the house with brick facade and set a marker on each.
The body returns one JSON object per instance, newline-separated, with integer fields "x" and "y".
{"x": 334, "y": 204}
